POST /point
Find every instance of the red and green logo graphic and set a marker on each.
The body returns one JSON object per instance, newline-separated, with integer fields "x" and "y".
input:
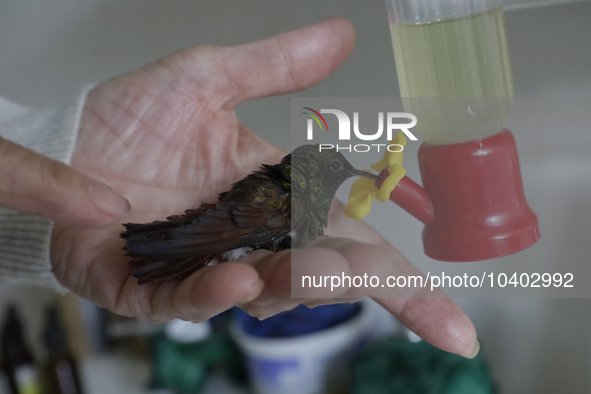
{"x": 315, "y": 117}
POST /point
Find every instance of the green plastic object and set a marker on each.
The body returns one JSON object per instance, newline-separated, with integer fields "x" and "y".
{"x": 185, "y": 368}
{"x": 394, "y": 365}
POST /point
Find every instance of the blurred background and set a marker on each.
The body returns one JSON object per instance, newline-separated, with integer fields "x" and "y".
{"x": 51, "y": 49}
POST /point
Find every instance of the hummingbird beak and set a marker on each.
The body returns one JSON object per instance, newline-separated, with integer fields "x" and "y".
{"x": 355, "y": 172}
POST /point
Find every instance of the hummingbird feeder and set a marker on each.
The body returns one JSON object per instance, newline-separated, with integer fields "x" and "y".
{"x": 454, "y": 74}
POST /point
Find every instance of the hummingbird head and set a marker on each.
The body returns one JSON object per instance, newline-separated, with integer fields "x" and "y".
{"x": 326, "y": 168}
{"x": 315, "y": 177}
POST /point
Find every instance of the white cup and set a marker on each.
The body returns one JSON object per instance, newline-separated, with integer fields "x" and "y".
{"x": 308, "y": 364}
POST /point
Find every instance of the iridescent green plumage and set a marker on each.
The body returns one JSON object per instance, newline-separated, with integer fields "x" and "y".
{"x": 269, "y": 209}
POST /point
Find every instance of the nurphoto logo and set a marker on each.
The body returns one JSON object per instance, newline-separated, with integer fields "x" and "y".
{"x": 344, "y": 131}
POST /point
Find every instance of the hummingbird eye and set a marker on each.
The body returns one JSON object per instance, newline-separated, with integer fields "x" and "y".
{"x": 336, "y": 166}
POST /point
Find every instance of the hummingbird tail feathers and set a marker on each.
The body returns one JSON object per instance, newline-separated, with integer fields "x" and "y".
{"x": 154, "y": 230}
{"x": 162, "y": 229}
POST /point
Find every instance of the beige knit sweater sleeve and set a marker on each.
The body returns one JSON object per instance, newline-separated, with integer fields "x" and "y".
{"x": 24, "y": 238}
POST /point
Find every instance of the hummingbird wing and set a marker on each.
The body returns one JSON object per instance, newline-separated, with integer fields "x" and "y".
{"x": 214, "y": 230}
{"x": 255, "y": 213}
{"x": 188, "y": 242}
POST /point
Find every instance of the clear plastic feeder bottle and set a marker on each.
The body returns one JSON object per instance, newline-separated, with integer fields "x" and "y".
{"x": 453, "y": 66}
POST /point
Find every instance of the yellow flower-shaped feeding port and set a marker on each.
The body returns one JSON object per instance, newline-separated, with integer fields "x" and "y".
{"x": 364, "y": 192}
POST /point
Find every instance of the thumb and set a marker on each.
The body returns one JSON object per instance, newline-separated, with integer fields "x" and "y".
{"x": 33, "y": 183}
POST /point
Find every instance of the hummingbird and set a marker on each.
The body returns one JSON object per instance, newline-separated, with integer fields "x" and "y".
{"x": 273, "y": 208}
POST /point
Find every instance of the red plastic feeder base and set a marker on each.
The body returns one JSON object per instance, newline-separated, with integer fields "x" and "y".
{"x": 478, "y": 205}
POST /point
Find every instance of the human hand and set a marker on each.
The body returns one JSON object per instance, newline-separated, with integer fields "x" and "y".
{"x": 167, "y": 137}
{"x": 36, "y": 184}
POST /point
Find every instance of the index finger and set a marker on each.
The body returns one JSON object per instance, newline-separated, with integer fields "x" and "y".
{"x": 36, "y": 184}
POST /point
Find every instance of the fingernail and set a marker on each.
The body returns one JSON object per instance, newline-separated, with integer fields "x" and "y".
{"x": 254, "y": 296}
{"x": 106, "y": 199}
{"x": 474, "y": 352}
